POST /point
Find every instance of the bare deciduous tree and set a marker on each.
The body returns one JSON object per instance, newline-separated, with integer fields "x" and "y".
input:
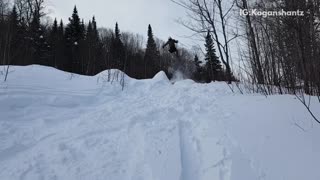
{"x": 212, "y": 16}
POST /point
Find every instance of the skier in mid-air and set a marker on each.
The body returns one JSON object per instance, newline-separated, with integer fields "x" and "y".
{"x": 177, "y": 64}
{"x": 172, "y": 45}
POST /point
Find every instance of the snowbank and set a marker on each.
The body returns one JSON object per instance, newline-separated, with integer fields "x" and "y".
{"x": 160, "y": 76}
{"x": 54, "y": 125}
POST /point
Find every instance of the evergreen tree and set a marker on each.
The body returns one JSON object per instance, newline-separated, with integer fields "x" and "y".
{"x": 74, "y": 35}
{"x": 15, "y": 37}
{"x": 14, "y": 22}
{"x": 55, "y": 26}
{"x": 75, "y": 28}
{"x": 151, "y": 55}
{"x": 95, "y": 30}
{"x": 40, "y": 49}
{"x": 213, "y": 64}
{"x": 61, "y": 29}
{"x": 117, "y": 50}
{"x": 61, "y": 58}
{"x": 89, "y": 50}
{"x": 89, "y": 32}
{"x": 53, "y": 40}
{"x": 98, "y": 62}
{"x": 20, "y": 40}
{"x": 82, "y": 29}
{"x": 117, "y": 32}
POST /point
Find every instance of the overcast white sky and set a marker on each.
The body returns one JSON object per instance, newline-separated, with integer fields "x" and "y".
{"x": 131, "y": 15}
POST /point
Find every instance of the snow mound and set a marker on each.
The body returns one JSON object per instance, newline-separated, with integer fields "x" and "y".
{"x": 57, "y": 125}
{"x": 114, "y": 74}
{"x": 159, "y": 81}
{"x": 160, "y": 76}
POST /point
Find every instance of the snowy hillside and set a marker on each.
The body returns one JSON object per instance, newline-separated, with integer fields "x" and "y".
{"x": 54, "y": 126}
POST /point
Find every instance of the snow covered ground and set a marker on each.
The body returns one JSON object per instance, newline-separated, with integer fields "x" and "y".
{"x": 57, "y": 126}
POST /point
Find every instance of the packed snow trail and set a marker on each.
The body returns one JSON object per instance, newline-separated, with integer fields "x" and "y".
{"x": 54, "y": 126}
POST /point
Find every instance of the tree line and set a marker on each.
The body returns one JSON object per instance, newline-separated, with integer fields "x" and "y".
{"x": 284, "y": 51}
{"x": 83, "y": 48}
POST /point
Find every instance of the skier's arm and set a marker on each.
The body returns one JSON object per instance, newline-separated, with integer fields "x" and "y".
{"x": 165, "y": 44}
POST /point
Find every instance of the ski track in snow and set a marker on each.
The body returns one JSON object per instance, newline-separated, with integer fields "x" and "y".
{"x": 150, "y": 131}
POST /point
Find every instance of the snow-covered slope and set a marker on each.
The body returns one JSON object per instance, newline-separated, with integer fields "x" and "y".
{"x": 58, "y": 126}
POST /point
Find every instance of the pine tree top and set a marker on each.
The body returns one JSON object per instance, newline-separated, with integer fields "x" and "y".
{"x": 89, "y": 29}
{"x": 150, "y": 33}
{"x": 75, "y": 17}
{"x": 94, "y": 23}
{"x": 117, "y": 31}
{"x": 55, "y": 26}
{"x": 14, "y": 10}
{"x": 14, "y": 15}
{"x": 151, "y": 50}
{"x": 210, "y": 56}
{"x": 61, "y": 26}
{"x": 75, "y": 11}
{"x": 209, "y": 42}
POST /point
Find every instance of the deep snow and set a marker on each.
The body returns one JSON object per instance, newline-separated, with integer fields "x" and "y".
{"x": 54, "y": 125}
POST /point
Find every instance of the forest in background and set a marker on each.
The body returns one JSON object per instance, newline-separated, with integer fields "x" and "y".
{"x": 81, "y": 47}
{"x": 276, "y": 54}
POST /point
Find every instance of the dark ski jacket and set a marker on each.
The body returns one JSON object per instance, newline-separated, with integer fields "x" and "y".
{"x": 172, "y": 45}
